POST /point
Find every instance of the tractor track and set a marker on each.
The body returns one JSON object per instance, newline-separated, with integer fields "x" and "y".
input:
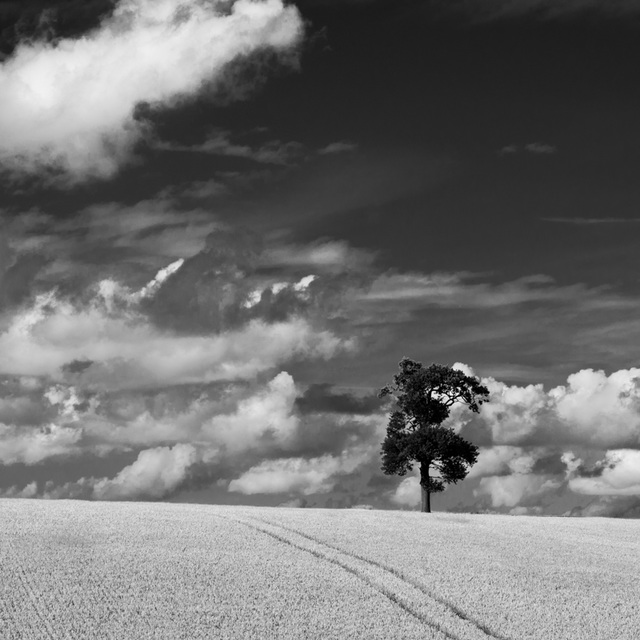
{"x": 36, "y": 604}
{"x": 457, "y": 611}
{"x": 378, "y": 577}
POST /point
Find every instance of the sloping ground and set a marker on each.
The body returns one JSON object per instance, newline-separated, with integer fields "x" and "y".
{"x": 132, "y": 570}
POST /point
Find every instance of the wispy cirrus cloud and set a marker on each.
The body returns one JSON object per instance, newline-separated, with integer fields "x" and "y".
{"x": 270, "y": 152}
{"x": 462, "y": 290}
{"x": 69, "y": 107}
{"x": 220, "y": 143}
{"x": 534, "y": 148}
{"x": 592, "y": 221}
{"x": 344, "y": 146}
{"x": 500, "y": 9}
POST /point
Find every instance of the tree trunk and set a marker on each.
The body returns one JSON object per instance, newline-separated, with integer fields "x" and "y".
{"x": 424, "y": 482}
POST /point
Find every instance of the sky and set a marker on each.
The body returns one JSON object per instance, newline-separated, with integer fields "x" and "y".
{"x": 224, "y": 223}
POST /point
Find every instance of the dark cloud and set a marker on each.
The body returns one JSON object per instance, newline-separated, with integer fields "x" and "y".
{"x": 495, "y": 9}
{"x": 550, "y": 464}
{"x": 208, "y": 291}
{"x": 22, "y": 406}
{"x": 65, "y": 470}
{"x": 76, "y": 366}
{"x": 233, "y": 281}
{"x": 16, "y": 283}
{"x": 320, "y": 398}
{"x": 321, "y": 434}
{"x": 596, "y": 470}
{"x": 46, "y": 19}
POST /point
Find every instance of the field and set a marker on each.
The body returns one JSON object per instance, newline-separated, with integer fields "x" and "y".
{"x": 82, "y": 570}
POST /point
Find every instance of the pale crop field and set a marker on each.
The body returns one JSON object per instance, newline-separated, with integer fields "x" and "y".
{"x": 81, "y": 570}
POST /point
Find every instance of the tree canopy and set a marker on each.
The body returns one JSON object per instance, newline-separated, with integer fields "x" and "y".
{"x": 415, "y": 434}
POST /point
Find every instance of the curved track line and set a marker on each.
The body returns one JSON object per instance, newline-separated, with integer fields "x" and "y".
{"x": 388, "y": 593}
{"x": 32, "y": 596}
{"x": 490, "y": 633}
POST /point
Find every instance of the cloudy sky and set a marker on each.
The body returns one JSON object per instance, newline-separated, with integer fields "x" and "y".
{"x": 223, "y": 223}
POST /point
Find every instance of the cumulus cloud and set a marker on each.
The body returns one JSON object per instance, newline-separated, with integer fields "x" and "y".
{"x": 248, "y": 421}
{"x": 526, "y": 431}
{"x": 618, "y": 474}
{"x": 267, "y": 414}
{"x": 299, "y": 475}
{"x": 32, "y": 445}
{"x": 501, "y": 460}
{"x": 128, "y": 351}
{"x": 29, "y": 491}
{"x": 512, "y": 490}
{"x": 408, "y": 493}
{"x": 156, "y": 474}
{"x": 593, "y": 410}
{"x": 70, "y": 105}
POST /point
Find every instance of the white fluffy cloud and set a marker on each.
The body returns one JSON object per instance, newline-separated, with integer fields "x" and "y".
{"x": 156, "y": 474}
{"x": 408, "y": 493}
{"x": 270, "y": 411}
{"x": 128, "y": 351}
{"x": 509, "y": 491}
{"x": 34, "y": 444}
{"x": 70, "y": 104}
{"x": 620, "y": 476}
{"x": 299, "y": 475}
{"x": 593, "y": 410}
{"x": 501, "y": 460}
{"x": 254, "y": 421}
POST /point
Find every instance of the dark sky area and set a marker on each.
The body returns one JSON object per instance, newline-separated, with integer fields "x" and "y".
{"x": 222, "y": 224}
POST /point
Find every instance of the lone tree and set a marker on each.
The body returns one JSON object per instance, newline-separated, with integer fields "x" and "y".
{"x": 424, "y": 397}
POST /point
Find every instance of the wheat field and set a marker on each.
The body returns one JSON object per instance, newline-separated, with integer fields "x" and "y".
{"x": 82, "y": 570}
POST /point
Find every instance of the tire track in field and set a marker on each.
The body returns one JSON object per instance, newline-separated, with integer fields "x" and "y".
{"x": 457, "y": 611}
{"x": 388, "y": 593}
{"x": 25, "y": 582}
{"x": 340, "y": 558}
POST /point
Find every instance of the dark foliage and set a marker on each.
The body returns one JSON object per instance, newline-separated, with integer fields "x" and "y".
{"x": 424, "y": 397}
